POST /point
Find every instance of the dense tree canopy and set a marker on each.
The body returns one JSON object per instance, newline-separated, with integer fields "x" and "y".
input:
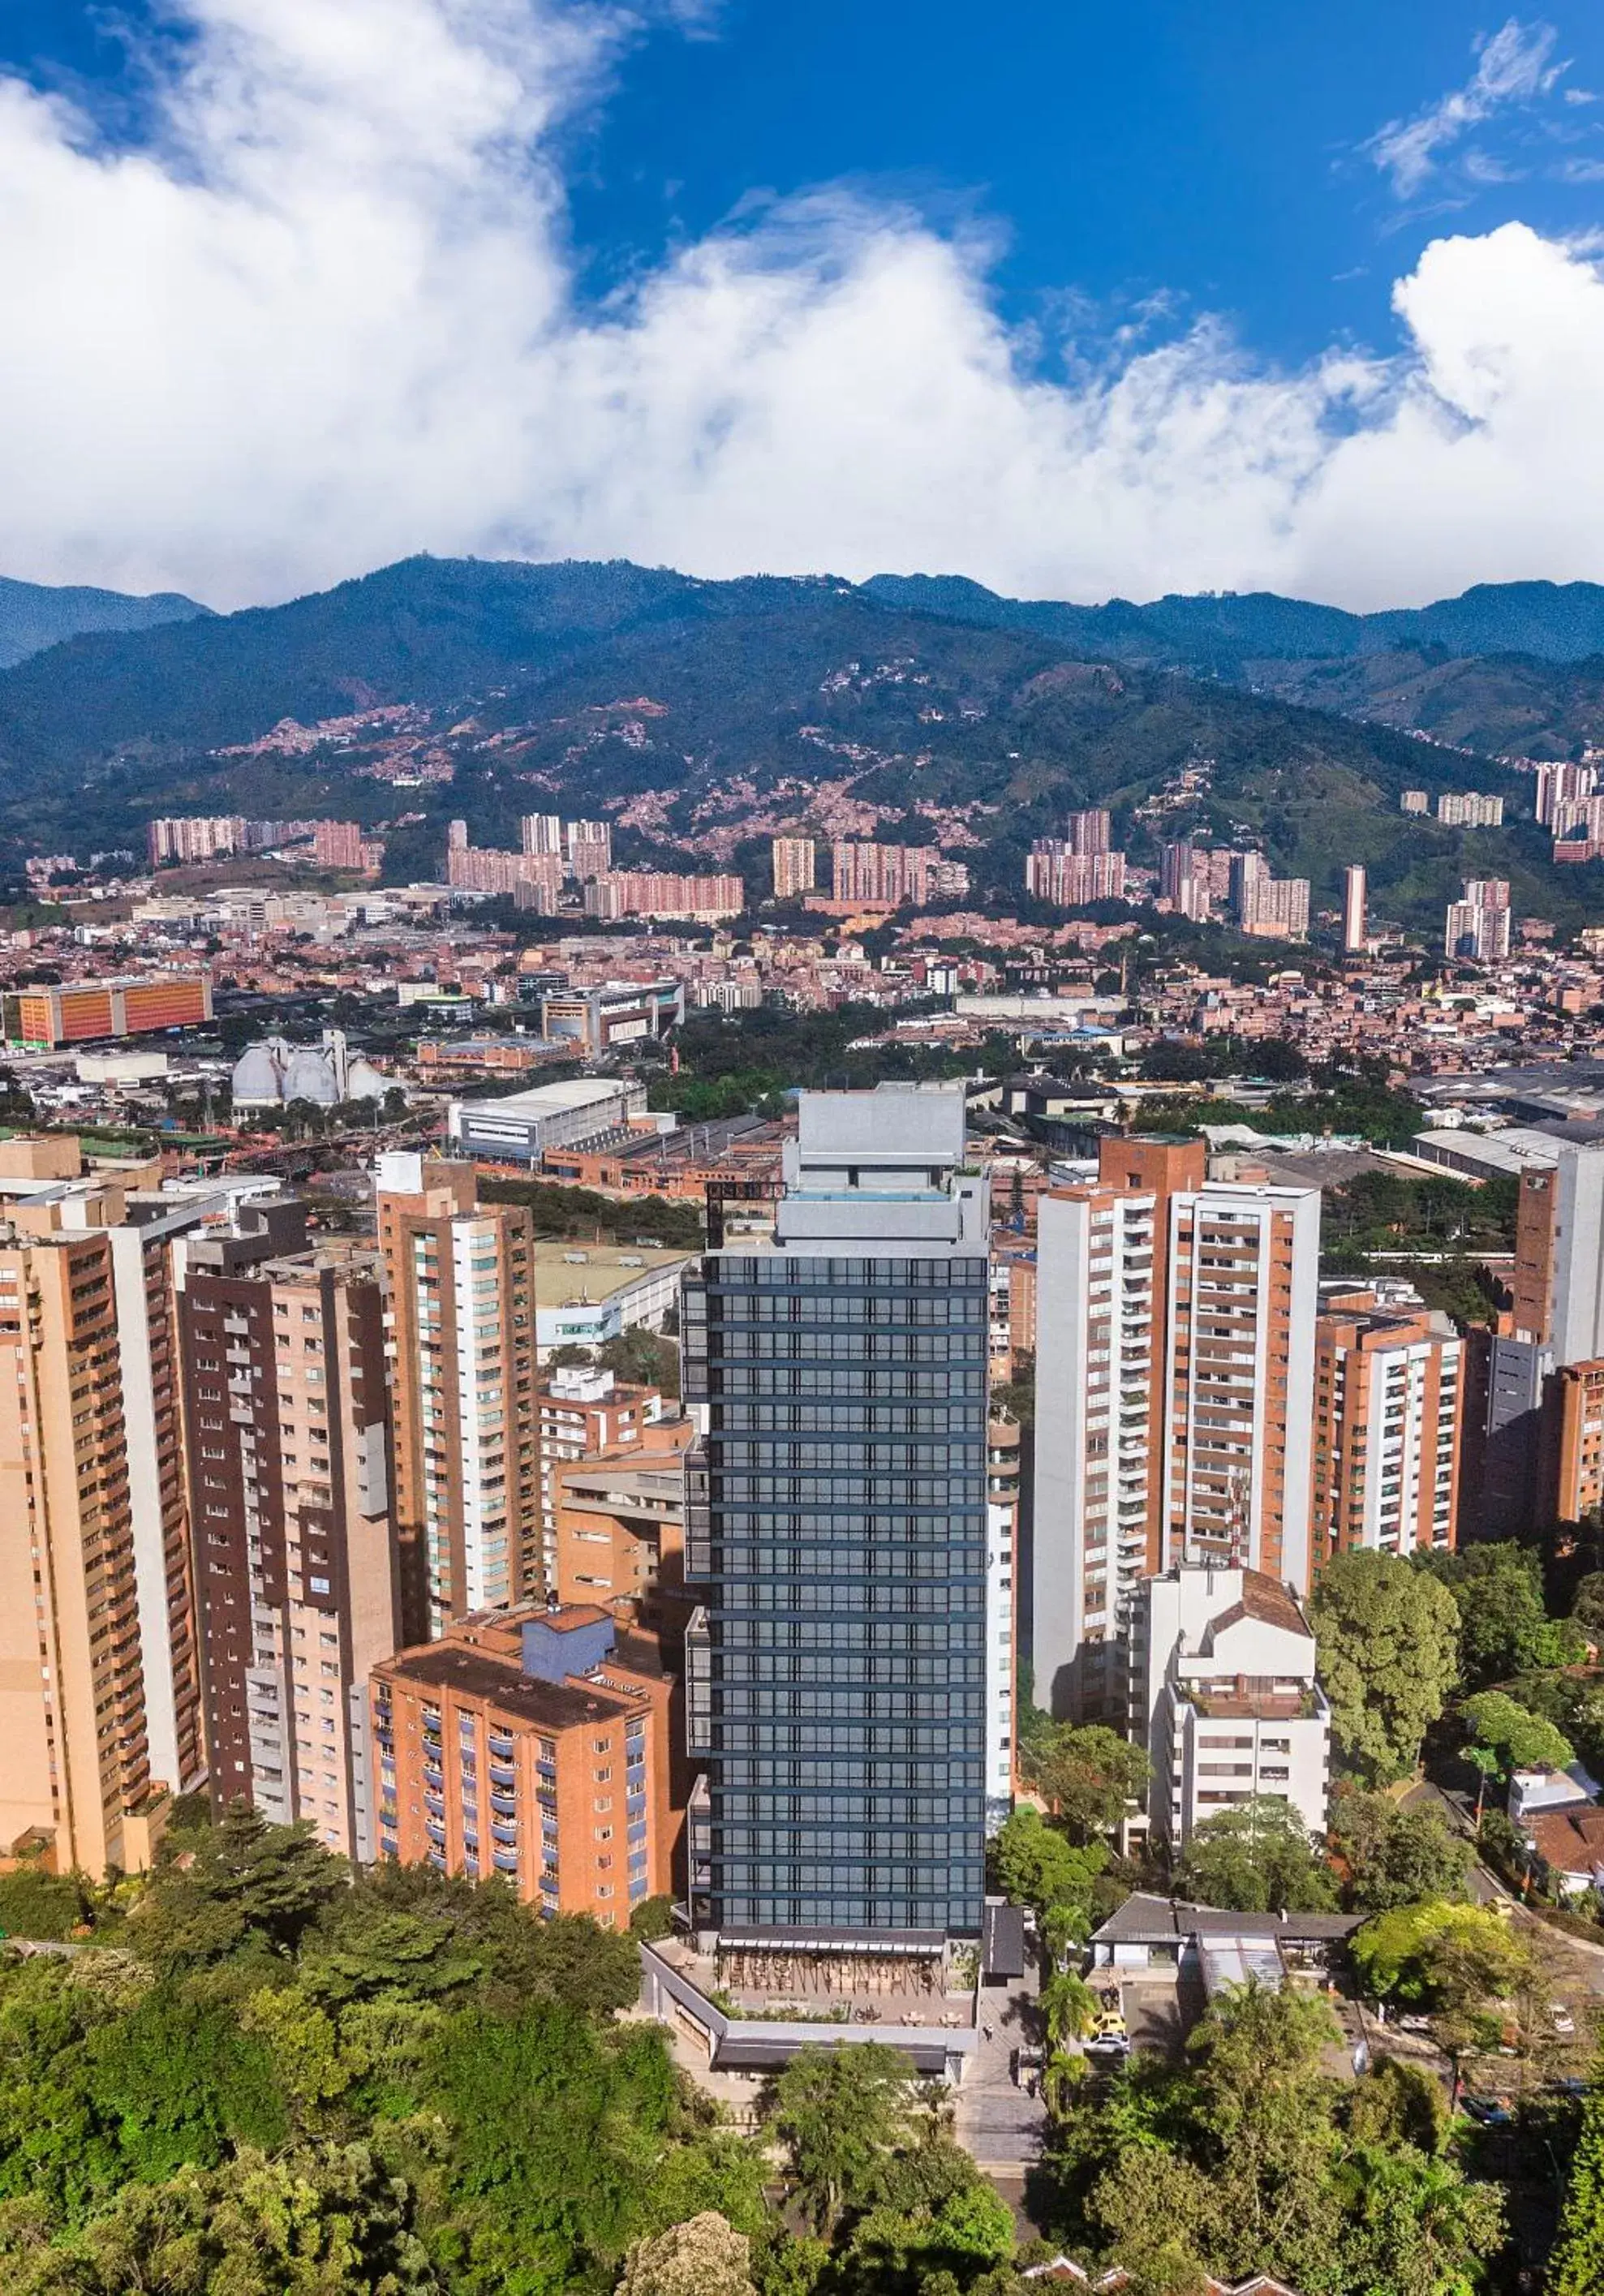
{"x": 1087, "y": 1774}
{"x": 1516, "y": 1738}
{"x": 1394, "y": 1856}
{"x": 1257, "y": 1859}
{"x": 1504, "y": 1628}
{"x": 1255, "y": 2158}
{"x": 262, "y": 2076}
{"x": 1577, "y": 2266}
{"x": 1388, "y": 1639}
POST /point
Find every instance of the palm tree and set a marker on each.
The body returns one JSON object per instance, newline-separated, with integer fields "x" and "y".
{"x": 1068, "y": 2005}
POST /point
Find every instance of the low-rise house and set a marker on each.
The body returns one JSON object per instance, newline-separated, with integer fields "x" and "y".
{"x": 1564, "y": 1848}
{"x": 1532, "y": 1793}
{"x": 1221, "y": 1946}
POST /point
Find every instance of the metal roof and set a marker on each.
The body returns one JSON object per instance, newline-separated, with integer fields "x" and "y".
{"x": 1003, "y": 1946}
{"x": 1147, "y": 1920}
{"x": 755, "y": 1935}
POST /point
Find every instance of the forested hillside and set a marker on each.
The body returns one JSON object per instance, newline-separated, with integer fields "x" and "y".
{"x": 702, "y": 715}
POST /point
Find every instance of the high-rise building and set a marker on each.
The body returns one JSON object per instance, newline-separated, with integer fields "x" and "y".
{"x": 532, "y": 1744}
{"x": 1003, "y": 1487}
{"x": 337, "y": 844}
{"x": 1388, "y": 1413}
{"x": 1068, "y": 877}
{"x": 287, "y": 1419}
{"x": 885, "y": 876}
{"x": 1192, "y": 879}
{"x": 1091, "y": 832}
{"x": 1239, "y": 1379}
{"x": 1226, "y": 1700}
{"x": 1273, "y": 908}
{"x": 795, "y": 860}
{"x": 1559, "y": 1287}
{"x": 541, "y": 832}
{"x": 657, "y": 893}
{"x": 1578, "y": 1411}
{"x": 534, "y": 879}
{"x": 195, "y": 837}
{"x": 147, "y": 1327}
{"x": 1355, "y": 924}
{"x": 77, "y": 1767}
{"x": 1477, "y": 924}
{"x": 460, "y": 1280}
{"x": 587, "y": 848}
{"x": 1102, "y": 1257}
{"x": 1578, "y": 820}
{"x": 1560, "y": 786}
{"x": 1469, "y": 809}
{"x": 836, "y": 1532}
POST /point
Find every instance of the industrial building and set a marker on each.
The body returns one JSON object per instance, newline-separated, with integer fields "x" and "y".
{"x": 518, "y": 1128}
{"x": 76, "y": 1012}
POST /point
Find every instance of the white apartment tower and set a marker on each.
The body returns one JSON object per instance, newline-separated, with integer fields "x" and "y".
{"x": 1355, "y": 921}
{"x": 1175, "y": 1386}
{"x": 1101, "y": 1311}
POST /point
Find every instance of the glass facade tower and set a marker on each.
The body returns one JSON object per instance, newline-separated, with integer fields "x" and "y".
{"x": 835, "y": 1534}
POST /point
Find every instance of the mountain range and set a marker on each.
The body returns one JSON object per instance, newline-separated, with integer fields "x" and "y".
{"x": 703, "y": 713}
{"x": 33, "y": 615}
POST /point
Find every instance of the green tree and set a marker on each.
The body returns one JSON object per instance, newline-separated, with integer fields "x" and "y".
{"x": 1587, "y": 1608}
{"x": 317, "y": 2221}
{"x": 1516, "y": 1738}
{"x": 1416, "y": 2226}
{"x": 1087, "y": 1774}
{"x": 1397, "y": 2104}
{"x": 1576, "y": 2267}
{"x": 34, "y": 1904}
{"x": 1069, "y": 2006}
{"x": 1389, "y": 1643}
{"x": 839, "y": 2112}
{"x": 1504, "y": 1628}
{"x": 1036, "y": 1866}
{"x": 1268, "y": 2107}
{"x": 178, "y": 2081}
{"x": 1440, "y": 1956}
{"x": 1255, "y": 1858}
{"x": 1160, "y": 2214}
{"x": 652, "y": 1919}
{"x": 933, "y": 2215}
{"x": 704, "y": 2256}
{"x": 245, "y": 1881}
{"x": 549, "y": 2126}
{"x": 1394, "y": 1856}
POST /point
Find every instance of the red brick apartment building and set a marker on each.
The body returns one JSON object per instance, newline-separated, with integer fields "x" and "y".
{"x": 535, "y": 1743}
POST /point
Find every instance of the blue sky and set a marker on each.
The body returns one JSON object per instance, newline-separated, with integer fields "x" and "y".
{"x": 1159, "y": 152}
{"x": 1160, "y": 148}
{"x": 770, "y": 279}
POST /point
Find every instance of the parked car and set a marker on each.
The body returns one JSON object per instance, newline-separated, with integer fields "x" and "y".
{"x": 1109, "y": 2036}
{"x": 1491, "y": 2112}
{"x": 1560, "y": 2018}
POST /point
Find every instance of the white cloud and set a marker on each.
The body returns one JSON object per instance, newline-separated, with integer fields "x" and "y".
{"x": 327, "y": 319}
{"x": 1514, "y": 66}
